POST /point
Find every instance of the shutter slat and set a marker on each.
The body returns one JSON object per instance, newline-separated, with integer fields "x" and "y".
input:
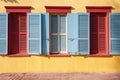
{"x": 114, "y": 33}
{"x": 3, "y": 33}
{"x": 34, "y": 25}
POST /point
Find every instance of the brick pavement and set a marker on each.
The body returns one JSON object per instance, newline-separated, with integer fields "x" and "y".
{"x": 60, "y": 76}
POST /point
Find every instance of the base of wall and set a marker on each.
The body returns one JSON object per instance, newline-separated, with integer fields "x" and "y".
{"x": 60, "y": 64}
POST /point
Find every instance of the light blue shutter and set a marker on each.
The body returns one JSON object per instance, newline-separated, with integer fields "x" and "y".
{"x": 34, "y": 33}
{"x": 72, "y": 33}
{"x": 3, "y": 33}
{"x": 45, "y": 34}
{"x": 78, "y": 33}
{"x": 114, "y": 33}
{"x": 83, "y": 33}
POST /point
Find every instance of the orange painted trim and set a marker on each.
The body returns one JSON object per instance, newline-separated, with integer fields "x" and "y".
{"x": 98, "y": 8}
{"x": 58, "y": 9}
{"x": 17, "y": 9}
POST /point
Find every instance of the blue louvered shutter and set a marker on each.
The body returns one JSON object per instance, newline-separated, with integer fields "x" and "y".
{"x": 83, "y": 33}
{"x": 114, "y": 33}
{"x": 3, "y": 33}
{"x": 45, "y": 34}
{"x": 72, "y": 33}
{"x": 78, "y": 33}
{"x": 34, "y": 33}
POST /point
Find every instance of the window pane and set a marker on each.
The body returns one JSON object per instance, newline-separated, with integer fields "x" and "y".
{"x": 54, "y": 22}
{"x": 62, "y": 23}
{"x": 54, "y": 43}
{"x": 62, "y": 43}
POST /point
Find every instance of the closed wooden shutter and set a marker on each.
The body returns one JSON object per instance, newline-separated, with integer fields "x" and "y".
{"x": 93, "y": 33}
{"x": 3, "y": 33}
{"x": 114, "y": 33}
{"x": 17, "y": 33}
{"x": 97, "y": 33}
{"x": 102, "y": 33}
{"x": 23, "y": 34}
{"x": 13, "y": 33}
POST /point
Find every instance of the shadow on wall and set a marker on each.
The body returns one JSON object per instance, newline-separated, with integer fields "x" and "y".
{"x": 11, "y": 1}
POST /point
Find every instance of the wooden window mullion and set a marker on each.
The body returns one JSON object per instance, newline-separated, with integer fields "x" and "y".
{"x": 58, "y": 34}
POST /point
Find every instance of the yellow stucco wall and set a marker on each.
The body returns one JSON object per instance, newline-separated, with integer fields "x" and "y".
{"x": 60, "y": 64}
{"x": 78, "y": 5}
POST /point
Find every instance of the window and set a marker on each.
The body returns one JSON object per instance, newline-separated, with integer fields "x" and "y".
{"x": 99, "y": 29}
{"x": 58, "y": 29}
{"x": 58, "y": 35}
{"x": 17, "y": 33}
{"x": 97, "y": 33}
{"x": 17, "y": 30}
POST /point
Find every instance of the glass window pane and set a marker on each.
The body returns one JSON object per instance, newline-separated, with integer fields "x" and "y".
{"x": 54, "y": 22}
{"x": 62, "y": 23}
{"x": 54, "y": 43}
{"x": 62, "y": 43}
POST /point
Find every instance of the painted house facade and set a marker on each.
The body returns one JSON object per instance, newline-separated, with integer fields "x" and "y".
{"x": 59, "y": 36}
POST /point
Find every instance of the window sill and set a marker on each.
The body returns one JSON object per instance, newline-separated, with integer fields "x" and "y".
{"x": 59, "y": 55}
{"x": 19, "y": 55}
{"x": 99, "y": 55}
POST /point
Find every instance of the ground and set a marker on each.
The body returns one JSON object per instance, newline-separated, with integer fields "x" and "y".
{"x": 60, "y": 76}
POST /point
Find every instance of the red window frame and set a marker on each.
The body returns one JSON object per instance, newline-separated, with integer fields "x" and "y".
{"x": 106, "y": 10}
{"x": 58, "y": 10}
{"x": 19, "y": 10}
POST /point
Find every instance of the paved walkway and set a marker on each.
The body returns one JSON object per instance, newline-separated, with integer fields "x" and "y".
{"x": 59, "y": 76}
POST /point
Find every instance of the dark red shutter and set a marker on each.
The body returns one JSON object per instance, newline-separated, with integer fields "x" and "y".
{"x": 102, "y": 33}
{"x": 13, "y": 33}
{"x": 93, "y": 33}
{"x": 17, "y": 33}
{"x": 23, "y": 34}
{"x": 97, "y": 33}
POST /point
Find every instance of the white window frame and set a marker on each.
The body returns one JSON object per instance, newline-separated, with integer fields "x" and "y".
{"x": 58, "y": 34}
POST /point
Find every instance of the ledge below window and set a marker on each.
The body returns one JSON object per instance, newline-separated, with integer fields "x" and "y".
{"x": 59, "y": 55}
{"x": 99, "y": 55}
{"x": 19, "y": 55}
